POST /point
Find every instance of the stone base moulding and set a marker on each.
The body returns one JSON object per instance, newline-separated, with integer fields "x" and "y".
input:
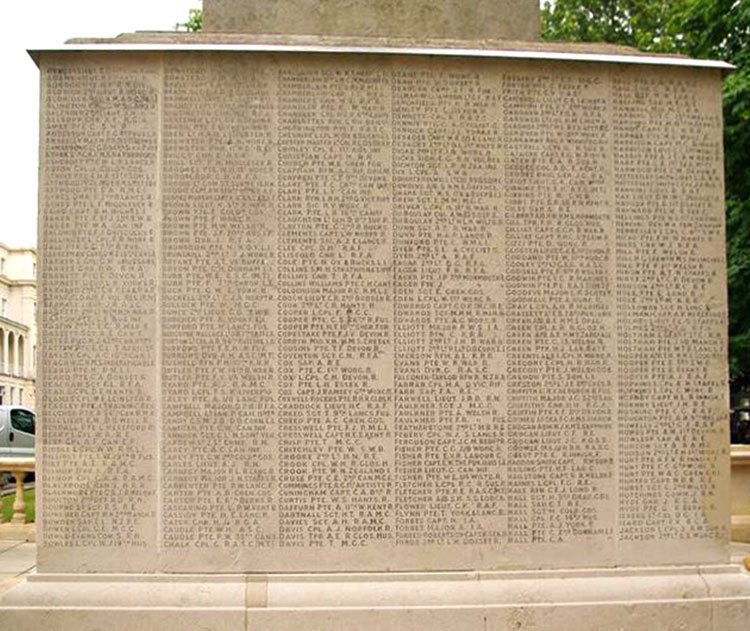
{"x": 696, "y": 598}
{"x": 17, "y": 532}
{"x": 741, "y": 528}
{"x": 740, "y": 493}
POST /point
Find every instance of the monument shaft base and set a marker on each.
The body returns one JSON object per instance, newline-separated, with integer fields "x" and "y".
{"x": 698, "y": 598}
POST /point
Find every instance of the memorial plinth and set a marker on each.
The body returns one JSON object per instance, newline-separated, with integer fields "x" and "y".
{"x": 381, "y": 338}
{"x": 458, "y": 19}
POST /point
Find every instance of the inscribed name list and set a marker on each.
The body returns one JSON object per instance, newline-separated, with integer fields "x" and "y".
{"x": 98, "y": 374}
{"x": 429, "y": 313}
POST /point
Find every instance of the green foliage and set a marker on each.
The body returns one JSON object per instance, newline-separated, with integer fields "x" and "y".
{"x": 643, "y": 24}
{"x": 737, "y": 147}
{"x": 721, "y": 29}
{"x": 717, "y": 29}
{"x": 194, "y": 22}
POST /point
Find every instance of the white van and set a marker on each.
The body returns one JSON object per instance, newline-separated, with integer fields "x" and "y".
{"x": 17, "y": 431}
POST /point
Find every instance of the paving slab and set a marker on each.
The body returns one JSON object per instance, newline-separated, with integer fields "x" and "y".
{"x": 7, "y": 545}
{"x": 18, "y": 559}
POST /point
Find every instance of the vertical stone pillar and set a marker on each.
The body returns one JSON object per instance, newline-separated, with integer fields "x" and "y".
{"x": 6, "y": 364}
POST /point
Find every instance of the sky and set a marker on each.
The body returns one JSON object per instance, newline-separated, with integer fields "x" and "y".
{"x": 30, "y": 23}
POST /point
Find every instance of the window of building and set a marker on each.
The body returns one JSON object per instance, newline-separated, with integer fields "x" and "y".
{"x": 2, "y": 266}
{"x": 20, "y": 396}
{"x": 21, "y": 353}
{"x": 4, "y": 307}
{"x": 34, "y": 271}
{"x": 2, "y": 396}
{"x": 23, "y": 421}
{"x": 33, "y": 358}
{"x": 12, "y": 395}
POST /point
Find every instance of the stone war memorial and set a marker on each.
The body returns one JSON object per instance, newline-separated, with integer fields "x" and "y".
{"x": 393, "y": 317}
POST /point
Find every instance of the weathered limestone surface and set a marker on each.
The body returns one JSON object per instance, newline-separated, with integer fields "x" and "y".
{"x": 370, "y": 313}
{"x": 689, "y": 599}
{"x": 477, "y": 19}
{"x": 99, "y": 232}
{"x": 332, "y": 43}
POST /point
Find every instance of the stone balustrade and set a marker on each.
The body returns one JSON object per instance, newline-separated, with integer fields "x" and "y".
{"x": 18, "y": 468}
{"x": 740, "y": 496}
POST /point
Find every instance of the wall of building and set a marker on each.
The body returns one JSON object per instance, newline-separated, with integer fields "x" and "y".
{"x": 18, "y": 334}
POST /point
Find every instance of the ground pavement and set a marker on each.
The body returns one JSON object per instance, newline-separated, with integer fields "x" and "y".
{"x": 16, "y": 559}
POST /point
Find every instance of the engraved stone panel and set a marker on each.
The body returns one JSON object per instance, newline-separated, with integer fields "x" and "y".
{"x": 559, "y": 233}
{"x": 413, "y": 313}
{"x": 98, "y": 377}
{"x": 671, "y": 294}
{"x": 218, "y": 305}
{"x": 452, "y": 19}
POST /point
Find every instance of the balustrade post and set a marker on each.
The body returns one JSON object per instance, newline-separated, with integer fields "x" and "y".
{"x": 19, "y": 506}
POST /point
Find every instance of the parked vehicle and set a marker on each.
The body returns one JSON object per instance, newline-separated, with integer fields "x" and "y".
{"x": 739, "y": 419}
{"x": 17, "y": 432}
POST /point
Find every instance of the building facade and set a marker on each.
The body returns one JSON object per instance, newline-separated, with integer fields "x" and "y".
{"x": 18, "y": 326}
